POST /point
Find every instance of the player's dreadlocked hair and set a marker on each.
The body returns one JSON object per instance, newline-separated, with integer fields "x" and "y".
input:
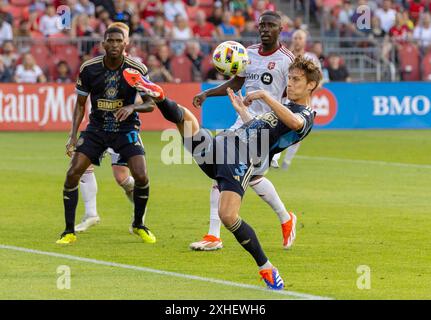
{"x": 311, "y": 71}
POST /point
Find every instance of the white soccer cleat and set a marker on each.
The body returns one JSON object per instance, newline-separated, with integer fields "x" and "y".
{"x": 208, "y": 243}
{"x": 86, "y": 223}
{"x": 274, "y": 164}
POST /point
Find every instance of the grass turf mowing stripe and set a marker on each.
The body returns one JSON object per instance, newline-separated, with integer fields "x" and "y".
{"x": 162, "y": 272}
{"x": 376, "y": 162}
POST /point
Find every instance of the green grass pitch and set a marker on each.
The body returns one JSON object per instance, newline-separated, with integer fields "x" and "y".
{"x": 374, "y": 212}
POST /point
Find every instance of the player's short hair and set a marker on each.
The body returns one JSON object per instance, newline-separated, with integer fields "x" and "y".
{"x": 120, "y": 25}
{"x": 311, "y": 70}
{"x": 270, "y": 13}
{"x": 113, "y": 30}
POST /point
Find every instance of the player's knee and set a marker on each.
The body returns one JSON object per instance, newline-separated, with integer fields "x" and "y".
{"x": 141, "y": 179}
{"x": 72, "y": 176}
{"x": 227, "y": 216}
{"x": 120, "y": 175}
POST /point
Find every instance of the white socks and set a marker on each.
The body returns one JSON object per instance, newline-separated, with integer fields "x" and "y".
{"x": 263, "y": 188}
{"x": 128, "y": 184}
{"x": 88, "y": 187}
{"x": 290, "y": 153}
{"x": 215, "y": 223}
{"x": 267, "y": 265}
{"x": 266, "y": 190}
{"x": 276, "y": 156}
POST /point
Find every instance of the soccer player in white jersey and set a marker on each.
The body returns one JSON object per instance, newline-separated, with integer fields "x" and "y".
{"x": 299, "y": 43}
{"x": 88, "y": 183}
{"x": 268, "y": 70}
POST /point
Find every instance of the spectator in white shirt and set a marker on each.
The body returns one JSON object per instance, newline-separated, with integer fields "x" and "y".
{"x": 5, "y": 30}
{"x": 181, "y": 31}
{"x": 386, "y": 15}
{"x": 174, "y": 8}
{"x": 85, "y": 6}
{"x": 29, "y": 71}
{"x": 50, "y": 21}
{"x": 422, "y": 32}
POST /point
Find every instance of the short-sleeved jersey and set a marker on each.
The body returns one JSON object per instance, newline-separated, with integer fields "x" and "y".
{"x": 267, "y": 72}
{"x": 108, "y": 92}
{"x": 278, "y": 136}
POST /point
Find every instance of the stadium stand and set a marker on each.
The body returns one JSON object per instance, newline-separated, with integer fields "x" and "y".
{"x": 368, "y": 53}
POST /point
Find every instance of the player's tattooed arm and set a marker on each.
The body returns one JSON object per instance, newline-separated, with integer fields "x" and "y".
{"x": 235, "y": 84}
{"x": 290, "y": 119}
{"x": 146, "y": 104}
{"x": 239, "y": 106}
{"x": 78, "y": 115}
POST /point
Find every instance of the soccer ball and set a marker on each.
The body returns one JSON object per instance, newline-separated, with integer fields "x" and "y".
{"x": 230, "y": 58}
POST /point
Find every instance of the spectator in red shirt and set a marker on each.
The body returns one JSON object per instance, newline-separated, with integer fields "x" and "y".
{"x": 399, "y": 31}
{"x": 148, "y": 9}
{"x": 202, "y": 28}
{"x": 415, "y": 8}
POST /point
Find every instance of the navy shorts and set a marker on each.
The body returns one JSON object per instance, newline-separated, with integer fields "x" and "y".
{"x": 94, "y": 144}
{"x": 219, "y": 160}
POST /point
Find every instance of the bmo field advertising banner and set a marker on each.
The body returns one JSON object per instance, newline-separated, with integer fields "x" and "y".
{"x": 351, "y": 106}
{"x": 49, "y": 107}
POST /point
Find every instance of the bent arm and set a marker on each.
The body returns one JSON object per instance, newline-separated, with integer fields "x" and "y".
{"x": 144, "y": 104}
{"x": 290, "y": 119}
{"x": 235, "y": 84}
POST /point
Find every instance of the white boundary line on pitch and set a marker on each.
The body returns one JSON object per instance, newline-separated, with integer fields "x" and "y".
{"x": 165, "y": 273}
{"x": 383, "y": 163}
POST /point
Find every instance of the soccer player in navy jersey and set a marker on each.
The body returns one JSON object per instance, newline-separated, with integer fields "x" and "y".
{"x": 222, "y": 157}
{"x": 114, "y": 123}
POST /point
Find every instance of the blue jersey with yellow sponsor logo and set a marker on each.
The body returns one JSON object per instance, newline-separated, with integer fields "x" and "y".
{"x": 108, "y": 92}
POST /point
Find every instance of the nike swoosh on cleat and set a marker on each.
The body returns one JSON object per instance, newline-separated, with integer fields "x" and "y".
{"x": 245, "y": 242}
{"x": 143, "y": 197}
{"x": 66, "y": 198}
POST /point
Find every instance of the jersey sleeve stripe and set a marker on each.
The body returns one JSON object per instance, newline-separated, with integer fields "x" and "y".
{"x": 304, "y": 126}
{"x": 137, "y": 65}
{"x": 90, "y": 62}
{"x": 288, "y": 53}
{"x": 82, "y": 93}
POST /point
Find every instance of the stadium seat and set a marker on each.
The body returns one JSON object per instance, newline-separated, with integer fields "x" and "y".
{"x": 207, "y": 6}
{"x": 181, "y": 68}
{"x": 41, "y": 54}
{"x": 21, "y": 2}
{"x": 426, "y": 67}
{"x": 191, "y": 12}
{"x": 408, "y": 55}
{"x": 36, "y": 35}
{"x": 15, "y": 11}
{"x": 70, "y": 54}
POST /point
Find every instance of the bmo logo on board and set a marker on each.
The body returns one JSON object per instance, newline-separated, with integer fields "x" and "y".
{"x": 325, "y": 104}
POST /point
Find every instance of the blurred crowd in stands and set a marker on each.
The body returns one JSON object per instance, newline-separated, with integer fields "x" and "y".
{"x": 175, "y": 38}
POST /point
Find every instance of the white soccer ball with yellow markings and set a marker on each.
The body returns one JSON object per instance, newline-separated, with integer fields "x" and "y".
{"x": 230, "y": 58}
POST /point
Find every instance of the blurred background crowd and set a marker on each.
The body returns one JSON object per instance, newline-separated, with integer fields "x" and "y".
{"x": 374, "y": 40}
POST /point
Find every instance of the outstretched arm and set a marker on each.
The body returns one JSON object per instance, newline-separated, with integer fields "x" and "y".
{"x": 290, "y": 119}
{"x": 235, "y": 83}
